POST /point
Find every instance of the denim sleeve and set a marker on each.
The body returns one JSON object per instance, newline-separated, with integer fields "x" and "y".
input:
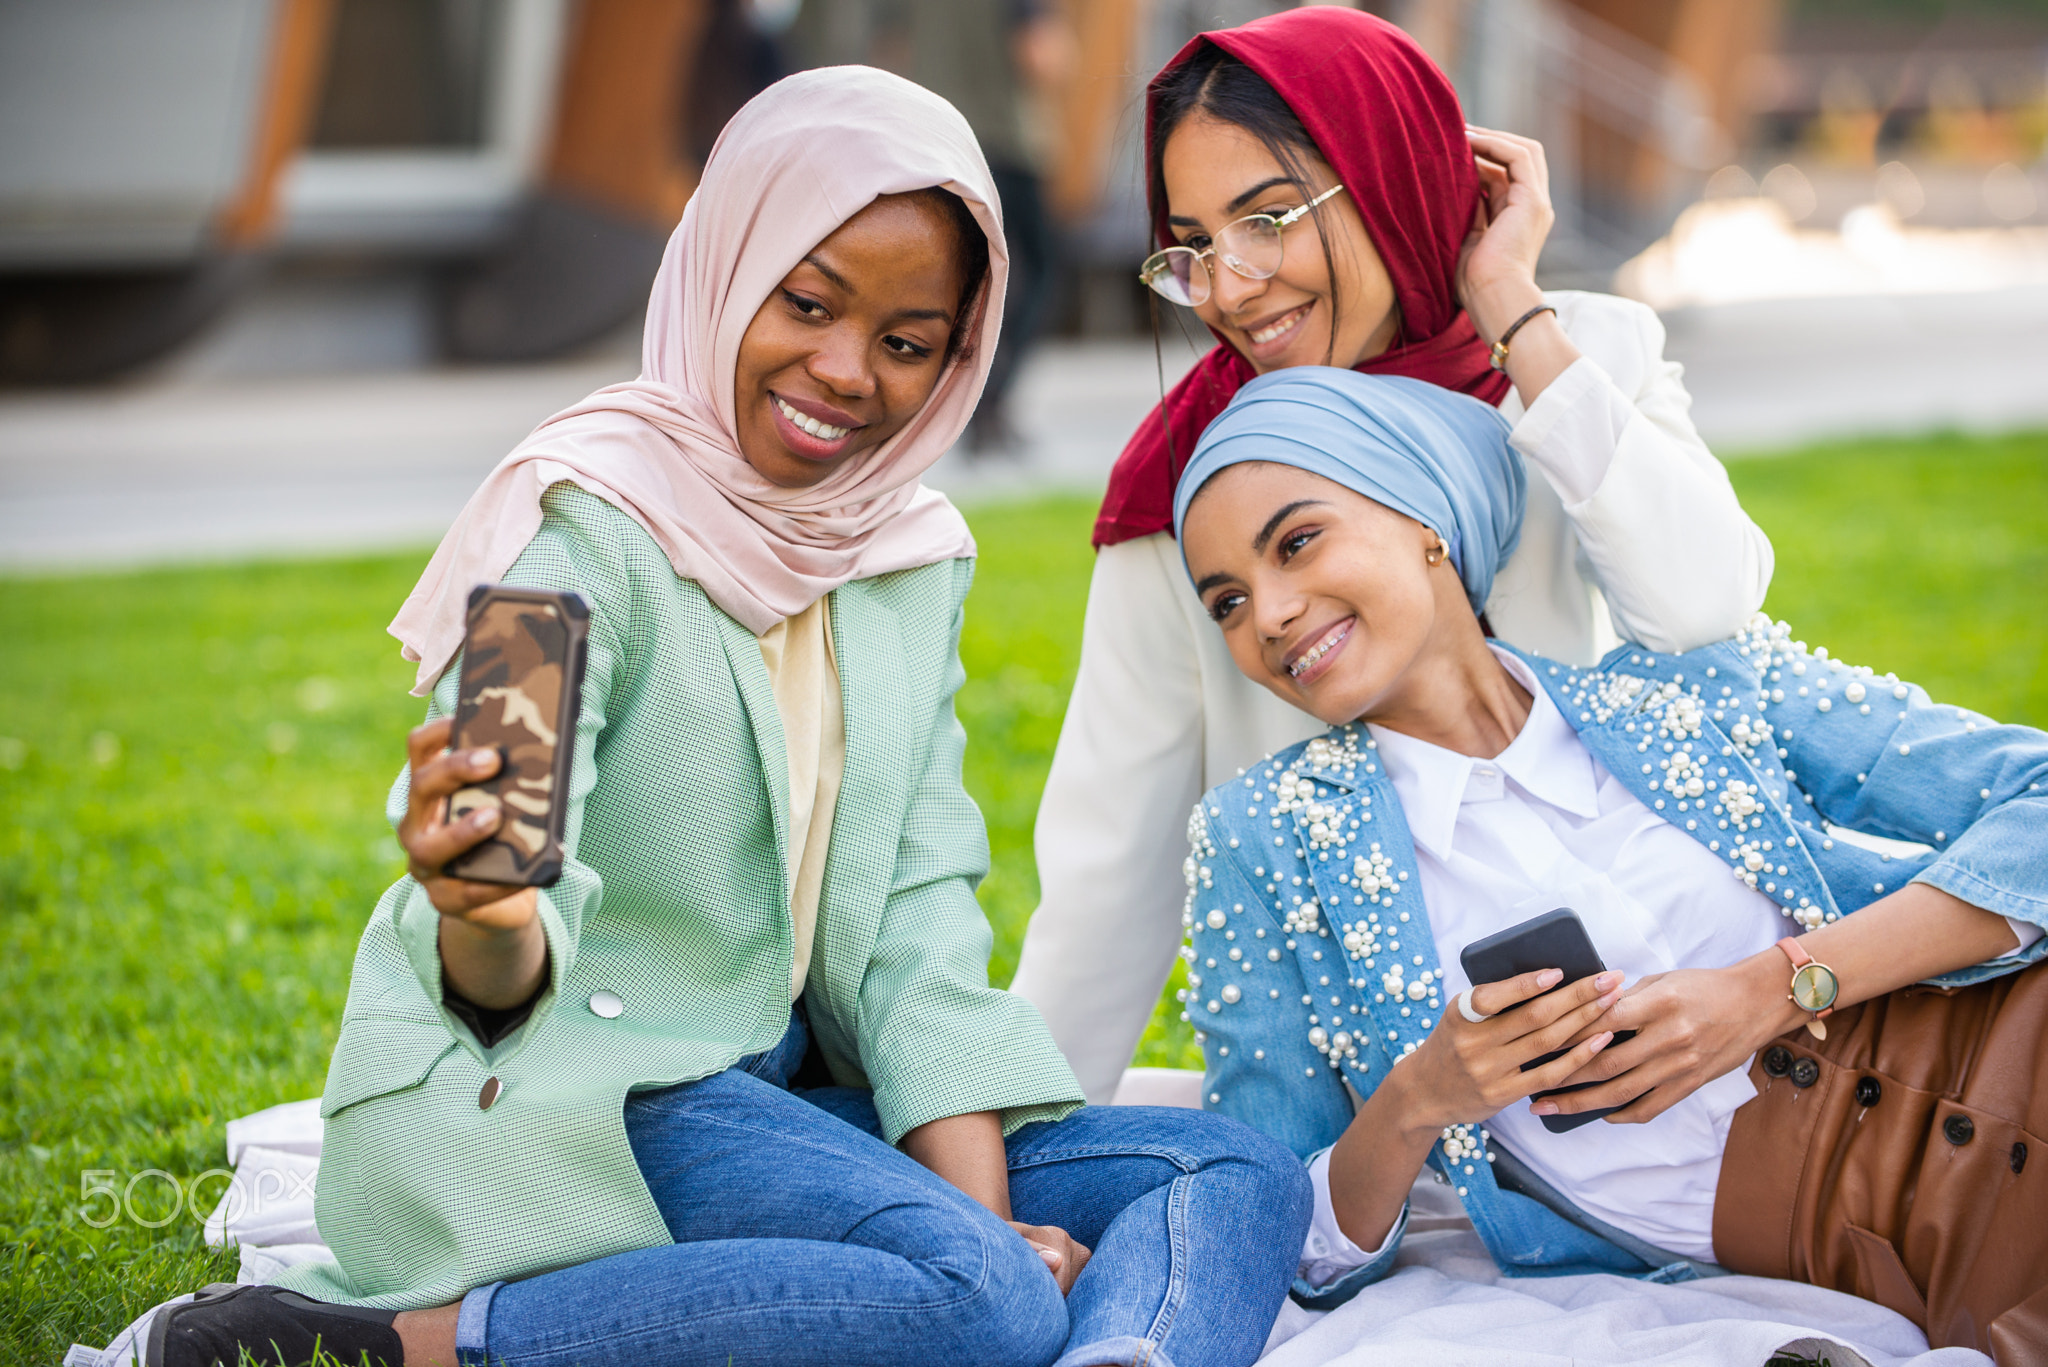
{"x": 1252, "y": 1014}
{"x": 1880, "y": 756}
{"x": 1260, "y": 1066}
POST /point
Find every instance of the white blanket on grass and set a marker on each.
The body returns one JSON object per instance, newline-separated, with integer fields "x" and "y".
{"x": 1447, "y": 1304}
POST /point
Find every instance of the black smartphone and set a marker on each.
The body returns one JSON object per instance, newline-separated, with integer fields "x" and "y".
{"x": 521, "y": 690}
{"x": 1556, "y": 939}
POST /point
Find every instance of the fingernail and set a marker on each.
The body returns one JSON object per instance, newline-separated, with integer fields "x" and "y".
{"x": 481, "y": 756}
{"x": 1602, "y": 1040}
{"x": 1052, "y": 1259}
{"x": 1550, "y": 977}
{"x": 1544, "y": 1108}
{"x": 1607, "y": 982}
{"x": 484, "y": 817}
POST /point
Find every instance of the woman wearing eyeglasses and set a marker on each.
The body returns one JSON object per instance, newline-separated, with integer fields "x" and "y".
{"x": 1319, "y": 200}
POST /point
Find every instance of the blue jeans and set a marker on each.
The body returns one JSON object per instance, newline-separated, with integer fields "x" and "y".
{"x": 801, "y": 1237}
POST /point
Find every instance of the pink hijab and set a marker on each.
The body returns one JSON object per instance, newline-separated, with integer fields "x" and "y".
{"x": 800, "y": 159}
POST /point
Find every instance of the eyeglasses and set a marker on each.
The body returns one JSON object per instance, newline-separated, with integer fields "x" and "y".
{"x": 1251, "y": 246}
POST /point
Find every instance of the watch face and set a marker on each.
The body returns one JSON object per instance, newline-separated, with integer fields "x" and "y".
{"x": 1814, "y": 987}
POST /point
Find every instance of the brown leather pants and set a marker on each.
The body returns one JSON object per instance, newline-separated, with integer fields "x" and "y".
{"x": 1904, "y": 1159}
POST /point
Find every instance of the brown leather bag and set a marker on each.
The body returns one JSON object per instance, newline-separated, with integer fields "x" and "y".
{"x": 1904, "y": 1159}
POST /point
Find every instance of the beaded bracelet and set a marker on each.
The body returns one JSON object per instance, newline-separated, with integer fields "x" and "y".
{"x": 1500, "y": 348}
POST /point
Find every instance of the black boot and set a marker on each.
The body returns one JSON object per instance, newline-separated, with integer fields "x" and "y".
{"x": 278, "y": 1328}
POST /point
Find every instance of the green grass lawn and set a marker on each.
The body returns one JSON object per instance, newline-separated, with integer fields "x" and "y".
{"x": 193, "y": 762}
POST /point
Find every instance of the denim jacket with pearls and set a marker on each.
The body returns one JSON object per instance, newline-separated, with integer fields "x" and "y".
{"x": 1311, "y": 966}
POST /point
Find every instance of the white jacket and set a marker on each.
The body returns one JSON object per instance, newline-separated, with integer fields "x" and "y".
{"x": 1634, "y": 531}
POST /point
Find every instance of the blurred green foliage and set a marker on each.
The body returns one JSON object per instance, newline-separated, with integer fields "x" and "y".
{"x": 193, "y": 764}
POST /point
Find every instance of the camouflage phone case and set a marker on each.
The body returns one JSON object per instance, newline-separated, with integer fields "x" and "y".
{"x": 522, "y": 683}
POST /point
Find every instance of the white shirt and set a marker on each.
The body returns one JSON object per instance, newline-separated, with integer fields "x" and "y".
{"x": 1632, "y": 527}
{"x": 1544, "y": 825}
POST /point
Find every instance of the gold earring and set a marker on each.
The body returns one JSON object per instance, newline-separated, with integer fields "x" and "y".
{"x": 1434, "y": 556}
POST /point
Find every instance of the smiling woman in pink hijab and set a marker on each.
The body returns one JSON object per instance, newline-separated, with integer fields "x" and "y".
{"x": 736, "y": 1088}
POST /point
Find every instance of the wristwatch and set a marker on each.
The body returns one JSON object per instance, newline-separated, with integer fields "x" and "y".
{"x": 1814, "y": 986}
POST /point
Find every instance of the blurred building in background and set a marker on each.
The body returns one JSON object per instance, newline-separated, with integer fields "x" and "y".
{"x": 1939, "y": 112}
{"x": 492, "y": 180}
{"x": 495, "y": 177}
{"x": 1893, "y": 147}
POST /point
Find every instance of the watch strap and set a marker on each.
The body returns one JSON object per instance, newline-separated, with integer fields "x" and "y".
{"x": 1796, "y": 952}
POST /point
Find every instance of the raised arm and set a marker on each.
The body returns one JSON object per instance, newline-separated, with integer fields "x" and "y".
{"x": 1656, "y": 519}
{"x": 497, "y": 950}
{"x": 1608, "y": 424}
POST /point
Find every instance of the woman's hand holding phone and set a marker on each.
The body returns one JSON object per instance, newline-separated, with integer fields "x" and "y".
{"x": 1692, "y": 1025}
{"x": 1465, "y": 1071}
{"x": 492, "y": 948}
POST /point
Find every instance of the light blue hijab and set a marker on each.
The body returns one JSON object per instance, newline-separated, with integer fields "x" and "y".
{"x": 1435, "y": 455}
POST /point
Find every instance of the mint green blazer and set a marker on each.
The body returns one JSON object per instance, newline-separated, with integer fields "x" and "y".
{"x": 675, "y": 900}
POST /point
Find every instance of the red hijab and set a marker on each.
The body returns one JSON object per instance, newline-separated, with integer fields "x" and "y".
{"x": 1388, "y": 122}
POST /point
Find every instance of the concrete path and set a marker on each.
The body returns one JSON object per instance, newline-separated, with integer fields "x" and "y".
{"x": 215, "y": 468}
{"x": 198, "y": 464}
